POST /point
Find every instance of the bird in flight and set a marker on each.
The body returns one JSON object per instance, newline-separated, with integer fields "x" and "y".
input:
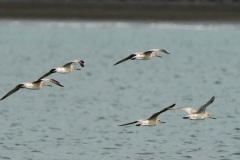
{"x": 67, "y": 68}
{"x": 35, "y": 85}
{"x": 200, "y": 114}
{"x": 143, "y": 55}
{"x": 151, "y": 121}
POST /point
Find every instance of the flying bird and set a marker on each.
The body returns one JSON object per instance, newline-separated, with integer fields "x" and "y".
{"x": 143, "y": 55}
{"x": 67, "y": 68}
{"x": 200, "y": 114}
{"x": 32, "y": 86}
{"x": 151, "y": 121}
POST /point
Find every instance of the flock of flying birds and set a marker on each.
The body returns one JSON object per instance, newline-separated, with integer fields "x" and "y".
{"x": 199, "y": 114}
{"x": 36, "y": 85}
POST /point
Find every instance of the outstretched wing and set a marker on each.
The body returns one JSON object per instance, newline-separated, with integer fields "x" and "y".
{"x": 127, "y": 58}
{"x": 80, "y": 62}
{"x": 128, "y": 123}
{"x": 12, "y": 91}
{"x": 48, "y": 73}
{"x": 67, "y": 64}
{"x": 154, "y": 116}
{"x": 160, "y": 50}
{"x": 187, "y": 109}
{"x": 52, "y": 81}
{"x": 202, "y": 109}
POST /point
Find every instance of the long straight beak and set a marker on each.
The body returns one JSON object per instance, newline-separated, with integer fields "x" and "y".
{"x": 212, "y": 117}
{"x": 77, "y": 69}
{"x": 158, "y": 56}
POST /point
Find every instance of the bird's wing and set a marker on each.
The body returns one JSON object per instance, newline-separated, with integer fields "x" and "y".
{"x": 80, "y": 62}
{"x": 146, "y": 52}
{"x": 128, "y": 123}
{"x": 154, "y": 116}
{"x": 127, "y": 58}
{"x": 160, "y": 50}
{"x": 187, "y": 109}
{"x": 67, "y": 64}
{"x": 202, "y": 109}
{"x": 48, "y": 73}
{"x": 52, "y": 81}
{"x": 12, "y": 91}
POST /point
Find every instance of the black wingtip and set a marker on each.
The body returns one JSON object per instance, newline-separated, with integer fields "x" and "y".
{"x": 164, "y": 51}
{"x": 3, "y": 97}
{"x": 81, "y": 63}
{"x": 213, "y": 98}
{"x": 53, "y": 70}
{"x": 171, "y": 106}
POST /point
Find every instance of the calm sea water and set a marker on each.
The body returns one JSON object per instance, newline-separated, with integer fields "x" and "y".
{"x": 80, "y": 120}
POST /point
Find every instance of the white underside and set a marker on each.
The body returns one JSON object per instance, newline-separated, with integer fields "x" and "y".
{"x": 63, "y": 70}
{"x": 147, "y": 123}
{"x": 32, "y": 86}
{"x": 142, "y": 57}
{"x": 197, "y": 116}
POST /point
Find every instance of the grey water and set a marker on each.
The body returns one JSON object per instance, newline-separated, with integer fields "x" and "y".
{"x": 80, "y": 121}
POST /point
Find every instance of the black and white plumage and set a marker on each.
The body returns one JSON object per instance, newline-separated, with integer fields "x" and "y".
{"x": 65, "y": 69}
{"x": 199, "y": 114}
{"x": 143, "y": 55}
{"x": 151, "y": 121}
{"x": 35, "y": 85}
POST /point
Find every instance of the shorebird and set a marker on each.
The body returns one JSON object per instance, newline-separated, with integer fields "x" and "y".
{"x": 143, "y": 55}
{"x": 200, "y": 114}
{"x": 151, "y": 121}
{"x": 32, "y": 85}
{"x": 67, "y": 68}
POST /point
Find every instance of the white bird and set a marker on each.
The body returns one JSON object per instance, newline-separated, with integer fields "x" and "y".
{"x": 32, "y": 86}
{"x": 143, "y": 55}
{"x": 67, "y": 68}
{"x": 151, "y": 121}
{"x": 200, "y": 114}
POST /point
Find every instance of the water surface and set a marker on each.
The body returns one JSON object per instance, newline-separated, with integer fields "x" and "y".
{"x": 80, "y": 120}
